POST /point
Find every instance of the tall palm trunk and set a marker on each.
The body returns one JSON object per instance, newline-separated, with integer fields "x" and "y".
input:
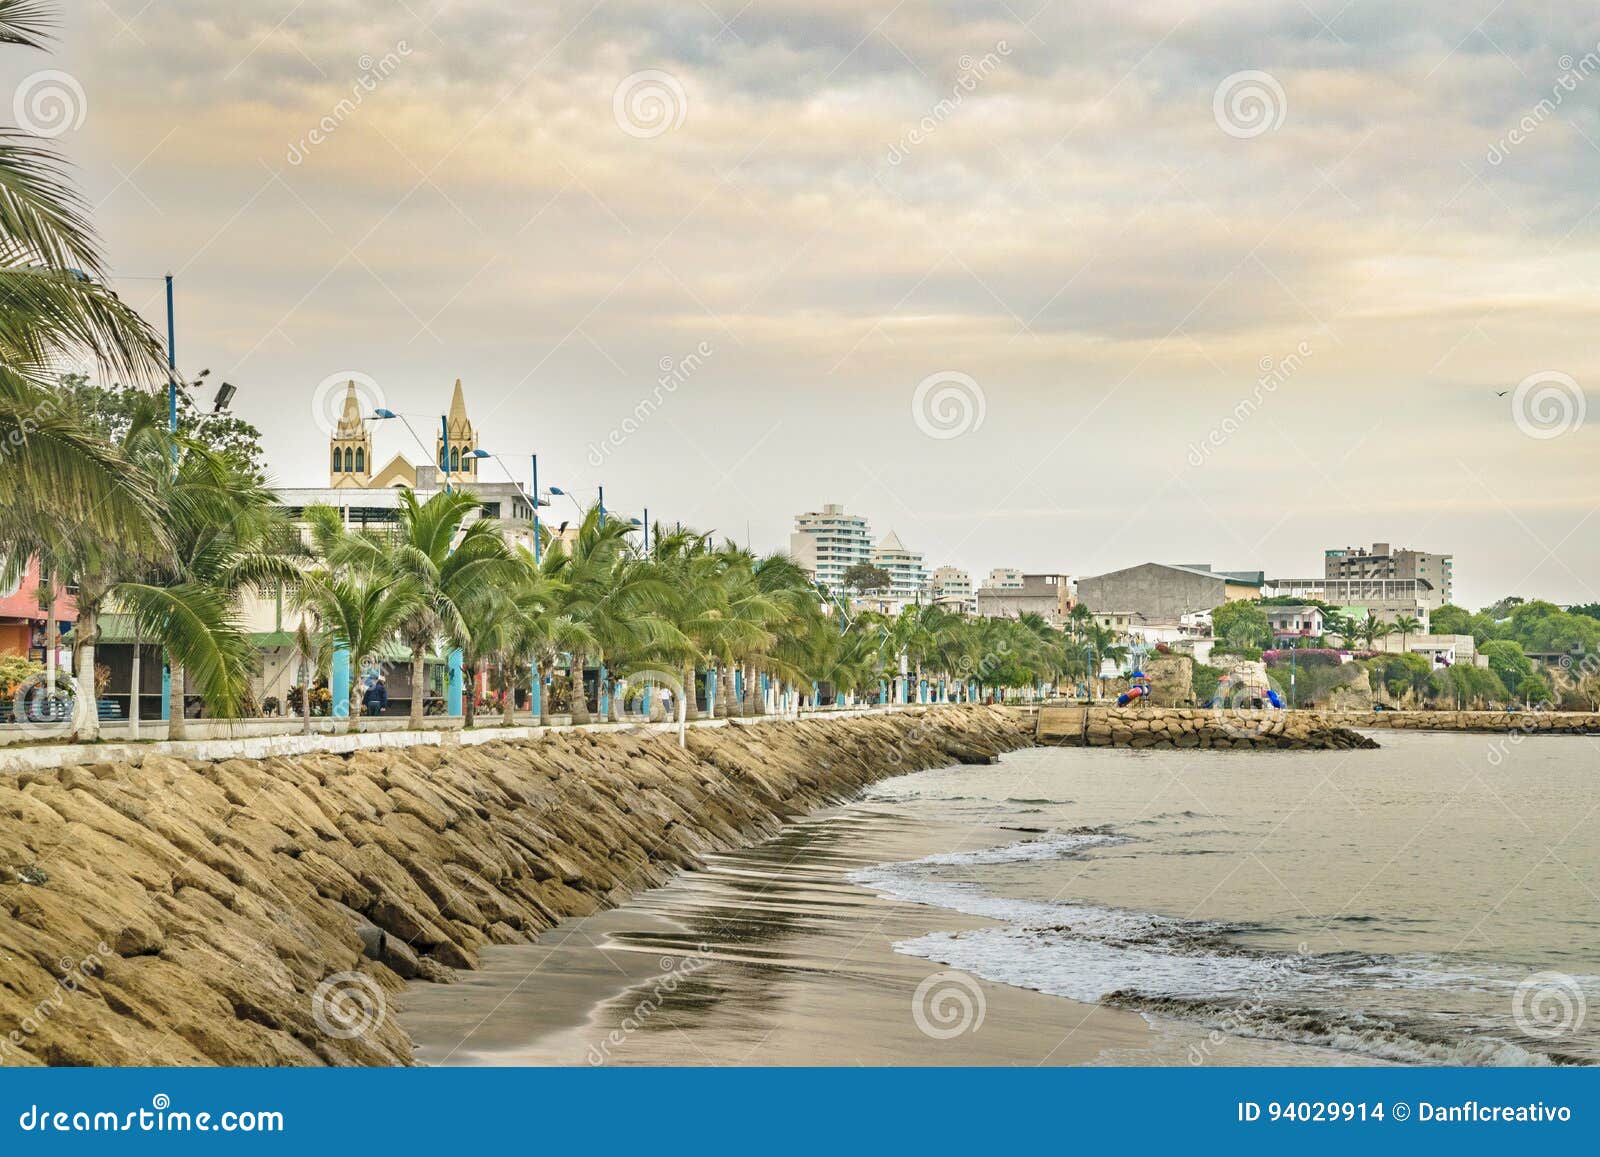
{"x": 509, "y": 693}
{"x": 469, "y": 702}
{"x": 578, "y": 703}
{"x": 690, "y": 698}
{"x": 134, "y": 678}
{"x": 305, "y": 693}
{"x": 177, "y": 726}
{"x": 419, "y": 688}
{"x": 754, "y": 701}
{"x": 86, "y": 709}
{"x": 355, "y": 705}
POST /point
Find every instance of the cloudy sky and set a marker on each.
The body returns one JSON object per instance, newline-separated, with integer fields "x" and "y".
{"x": 1067, "y": 286}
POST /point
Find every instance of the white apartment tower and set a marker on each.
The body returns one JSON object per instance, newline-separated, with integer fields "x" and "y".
{"x": 828, "y": 542}
{"x": 951, "y": 588}
{"x": 905, "y": 567}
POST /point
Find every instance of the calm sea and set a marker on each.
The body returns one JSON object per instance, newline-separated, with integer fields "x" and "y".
{"x": 1436, "y": 901}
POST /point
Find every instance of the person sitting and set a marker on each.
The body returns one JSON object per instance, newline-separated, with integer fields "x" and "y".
{"x": 377, "y": 697}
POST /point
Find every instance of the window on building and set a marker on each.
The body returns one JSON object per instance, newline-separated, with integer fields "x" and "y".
{"x": 455, "y": 460}
{"x": 336, "y": 459}
{"x": 361, "y": 460}
{"x": 349, "y": 460}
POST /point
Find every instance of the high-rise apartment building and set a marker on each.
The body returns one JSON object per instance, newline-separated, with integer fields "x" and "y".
{"x": 1354, "y": 567}
{"x": 908, "y": 574}
{"x": 828, "y": 542}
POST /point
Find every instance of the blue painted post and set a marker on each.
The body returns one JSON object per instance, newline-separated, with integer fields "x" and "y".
{"x": 339, "y": 684}
{"x": 883, "y": 692}
{"x": 738, "y": 684}
{"x": 765, "y": 684}
{"x": 603, "y": 692}
{"x": 453, "y": 698}
{"x": 536, "y": 694}
{"x": 166, "y": 693}
{"x": 816, "y": 695}
{"x": 649, "y": 699}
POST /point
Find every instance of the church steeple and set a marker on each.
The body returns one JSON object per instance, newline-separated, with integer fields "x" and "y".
{"x": 456, "y": 463}
{"x": 350, "y": 446}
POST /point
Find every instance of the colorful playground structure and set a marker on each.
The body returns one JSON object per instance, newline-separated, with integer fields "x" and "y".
{"x": 1138, "y": 688}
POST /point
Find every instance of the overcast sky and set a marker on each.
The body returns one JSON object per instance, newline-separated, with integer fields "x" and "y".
{"x": 1096, "y": 227}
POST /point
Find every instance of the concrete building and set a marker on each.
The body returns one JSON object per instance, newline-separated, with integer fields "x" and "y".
{"x": 907, "y": 571}
{"x": 1049, "y": 596}
{"x": 1164, "y": 592}
{"x": 22, "y": 619}
{"x": 1004, "y": 578}
{"x": 1385, "y": 599}
{"x": 828, "y": 542}
{"x": 1433, "y": 573}
{"x": 950, "y": 587}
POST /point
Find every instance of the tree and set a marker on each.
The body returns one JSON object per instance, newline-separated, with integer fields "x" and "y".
{"x": 865, "y": 578}
{"x": 1405, "y": 626}
{"x": 1507, "y": 661}
{"x": 1242, "y": 624}
{"x": 115, "y": 408}
{"x": 454, "y": 561}
{"x": 1534, "y": 690}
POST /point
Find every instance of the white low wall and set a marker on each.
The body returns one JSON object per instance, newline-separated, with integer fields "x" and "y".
{"x": 262, "y": 738}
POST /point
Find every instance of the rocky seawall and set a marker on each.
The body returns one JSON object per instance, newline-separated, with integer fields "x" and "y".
{"x": 1525, "y": 722}
{"x": 1145, "y": 726}
{"x": 253, "y": 911}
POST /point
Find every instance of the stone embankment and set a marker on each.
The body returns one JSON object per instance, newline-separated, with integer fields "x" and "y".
{"x": 1528, "y": 722}
{"x": 161, "y": 910}
{"x": 1144, "y": 727}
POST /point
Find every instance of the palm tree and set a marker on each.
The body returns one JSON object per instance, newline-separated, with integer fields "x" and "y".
{"x": 54, "y": 308}
{"x": 1373, "y": 629}
{"x": 453, "y": 563}
{"x": 360, "y": 609}
{"x": 1405, "y": 626}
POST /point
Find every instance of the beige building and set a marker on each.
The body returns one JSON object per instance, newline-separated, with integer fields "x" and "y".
{"x": 351, "y": 464}
{"x": 1432, "y": 574}
{"x": 950, "y": 587}
{"x": 828, "y": 542}
{"x": 1046, "y": 595}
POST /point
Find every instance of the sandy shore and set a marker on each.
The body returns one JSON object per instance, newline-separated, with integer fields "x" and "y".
{"x": 767, "y": 957}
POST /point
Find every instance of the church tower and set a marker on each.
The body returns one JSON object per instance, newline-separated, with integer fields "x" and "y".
{"x": 350, "y": 447}
{"x": 457, "y": 465}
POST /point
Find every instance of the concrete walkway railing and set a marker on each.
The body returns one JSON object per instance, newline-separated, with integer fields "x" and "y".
{"x": 247, "y": 738}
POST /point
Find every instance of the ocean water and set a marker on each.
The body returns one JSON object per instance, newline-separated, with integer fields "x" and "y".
{"x": 1436, "y": 901}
